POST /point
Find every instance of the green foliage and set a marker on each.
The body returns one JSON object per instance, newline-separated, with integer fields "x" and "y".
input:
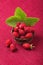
{"x": 20, "y": 16}
{"x": 31, "y": 20}
{"x": 11, "y": 21}
{"x": 20, "y": 13}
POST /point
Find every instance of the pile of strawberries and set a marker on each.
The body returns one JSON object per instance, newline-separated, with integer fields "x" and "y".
{"x": 21, "y": 31}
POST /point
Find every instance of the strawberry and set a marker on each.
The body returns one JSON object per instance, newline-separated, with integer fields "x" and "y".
{"x": 28, "y": 46}
{"x": 13, "y": 47}
{"x": 22, "y": 25}
{"x": 27, "y": 29}
{"x": 8, "y": 42}
{"x": 21, "y": 32}
{"x": 28, "y": 35}
{"x": 15, "y": 34}
{"x": 18, "y": 24}
{"x": 16, "y": 29}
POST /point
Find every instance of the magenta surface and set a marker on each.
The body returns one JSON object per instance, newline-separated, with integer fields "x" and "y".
{"x": 33, "y": 8}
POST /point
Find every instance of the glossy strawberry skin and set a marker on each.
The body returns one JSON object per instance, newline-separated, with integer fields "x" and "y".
{"x": 16, "y": 29}
{"x": 27, "y": 29}
{"x": 28, "y": 35}
{"x": 22, "y": 25}
{"x": 15, "y": 34}
{"x": 8, "y": 42}
{"x": 13, "y": 47}
{"x": 26, "y": 45}
{"x": 21, "y": 32}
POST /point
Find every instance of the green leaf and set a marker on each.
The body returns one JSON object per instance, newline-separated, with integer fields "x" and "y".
{"x": 20, "y": 16}
{"x": 12, "y": 21}
{"x": 20, "y": 13}
{"x": 31, "y": 21}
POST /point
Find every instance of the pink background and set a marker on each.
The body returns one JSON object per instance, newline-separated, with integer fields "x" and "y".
{"x": 21, "y": 57}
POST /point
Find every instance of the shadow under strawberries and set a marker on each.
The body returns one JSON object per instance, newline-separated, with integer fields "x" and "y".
{"x": 36, "y": 39}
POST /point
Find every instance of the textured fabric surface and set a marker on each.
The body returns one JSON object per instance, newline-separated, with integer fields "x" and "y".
{"x": 33, "y": 8}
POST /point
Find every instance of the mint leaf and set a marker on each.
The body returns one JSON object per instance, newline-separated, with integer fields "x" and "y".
{"x": 20, "y": 16}
{"x": 31, "y": 21}
{"x": 20, "y": 13}
{"x": 12, "y": 21}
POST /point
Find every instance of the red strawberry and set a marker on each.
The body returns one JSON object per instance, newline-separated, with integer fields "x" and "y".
{"x": 27, "y": 29}
{"x": 18, "y": 24}
{"x": 16, "y": 29}
{"x": 22, "y": 25}
{"x": 28, "y": 35}
{"x": 15, "y": 34}
{"x": 13, "y": 47}
{"x": 8, "y": 42}
{"x": 21, "y": 32}
{"x": 28, "y": 46}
